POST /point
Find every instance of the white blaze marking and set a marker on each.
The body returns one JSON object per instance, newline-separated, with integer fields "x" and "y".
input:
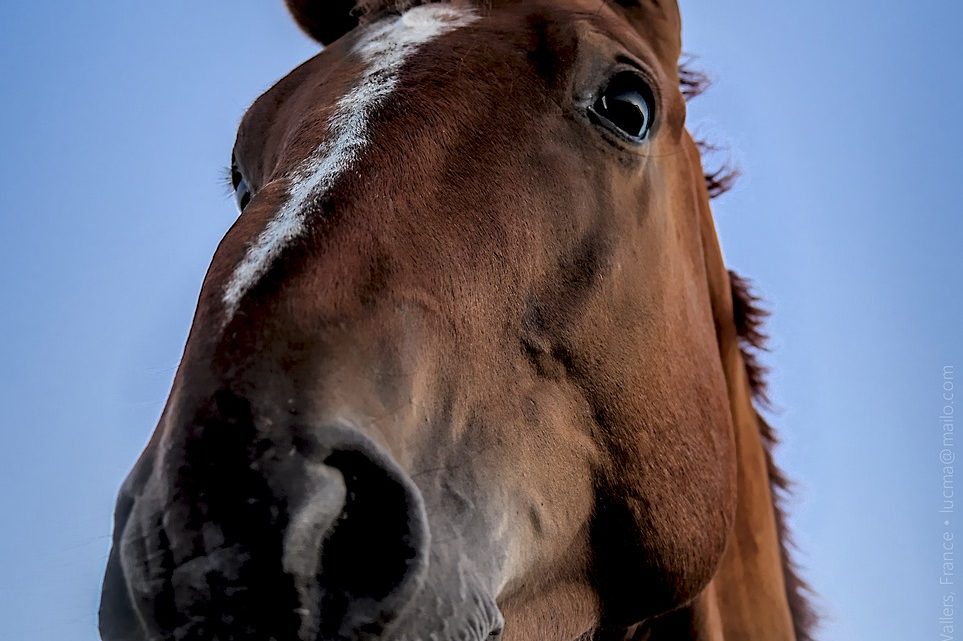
{"x": 385, "y": 47}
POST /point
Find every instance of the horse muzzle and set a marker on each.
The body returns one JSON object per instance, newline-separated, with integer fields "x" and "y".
{"x": 231, "y": 537}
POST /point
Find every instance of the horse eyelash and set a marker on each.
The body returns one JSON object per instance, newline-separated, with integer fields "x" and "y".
{"x": 226, "y": 179}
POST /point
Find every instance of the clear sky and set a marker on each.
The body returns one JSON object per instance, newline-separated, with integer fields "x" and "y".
{"x": 117, "y": 117}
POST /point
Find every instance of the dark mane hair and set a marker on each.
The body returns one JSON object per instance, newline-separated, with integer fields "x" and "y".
{"x": 750, "y": 318}
{"x": 693, "y": 83}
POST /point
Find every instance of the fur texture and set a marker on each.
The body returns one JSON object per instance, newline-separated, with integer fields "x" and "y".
{"x": 750, "y": 319}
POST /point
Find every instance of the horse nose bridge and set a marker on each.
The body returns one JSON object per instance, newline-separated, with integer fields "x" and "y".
{"x": 292, "y": 222}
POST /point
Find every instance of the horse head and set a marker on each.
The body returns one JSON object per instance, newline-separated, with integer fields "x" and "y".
{"x": 467, "y": 363}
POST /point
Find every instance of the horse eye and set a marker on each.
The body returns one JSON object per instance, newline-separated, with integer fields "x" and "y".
{"x": 625, "y": 104}
{"x": 242, "y": 190}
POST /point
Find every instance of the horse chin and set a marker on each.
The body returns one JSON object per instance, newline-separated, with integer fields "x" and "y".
{"x": 451, "y": 608}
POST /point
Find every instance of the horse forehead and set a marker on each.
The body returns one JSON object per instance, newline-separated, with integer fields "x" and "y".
{"x": 383, "y": 49}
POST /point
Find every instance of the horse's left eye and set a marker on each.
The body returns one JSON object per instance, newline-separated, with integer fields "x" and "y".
{"x": 242, "y": 190}
{"x": 626, "y": 105}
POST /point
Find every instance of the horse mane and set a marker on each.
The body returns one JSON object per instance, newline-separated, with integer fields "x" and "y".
{"x": 694, "y": 83}
{"x": 750, "y": 318}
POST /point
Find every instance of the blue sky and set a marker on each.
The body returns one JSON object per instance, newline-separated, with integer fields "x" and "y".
{"x": 117, "y": 118}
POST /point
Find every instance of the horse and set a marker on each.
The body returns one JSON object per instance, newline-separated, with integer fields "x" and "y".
{"x": 469, "y": 364}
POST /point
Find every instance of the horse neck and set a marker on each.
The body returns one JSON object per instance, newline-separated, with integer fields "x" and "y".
{"x": 749, "y": 589}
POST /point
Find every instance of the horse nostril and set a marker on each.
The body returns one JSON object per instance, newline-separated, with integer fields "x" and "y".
{"x": 374, "y": 543}
{"x": 356, "y": 572}
{"x": 327, "y": 541}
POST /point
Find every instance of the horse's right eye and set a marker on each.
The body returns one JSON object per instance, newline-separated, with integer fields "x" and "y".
{"x": 242, "y": 190}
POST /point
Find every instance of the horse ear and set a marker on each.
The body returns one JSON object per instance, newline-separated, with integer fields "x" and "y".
{"x": 324, "y": 20}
